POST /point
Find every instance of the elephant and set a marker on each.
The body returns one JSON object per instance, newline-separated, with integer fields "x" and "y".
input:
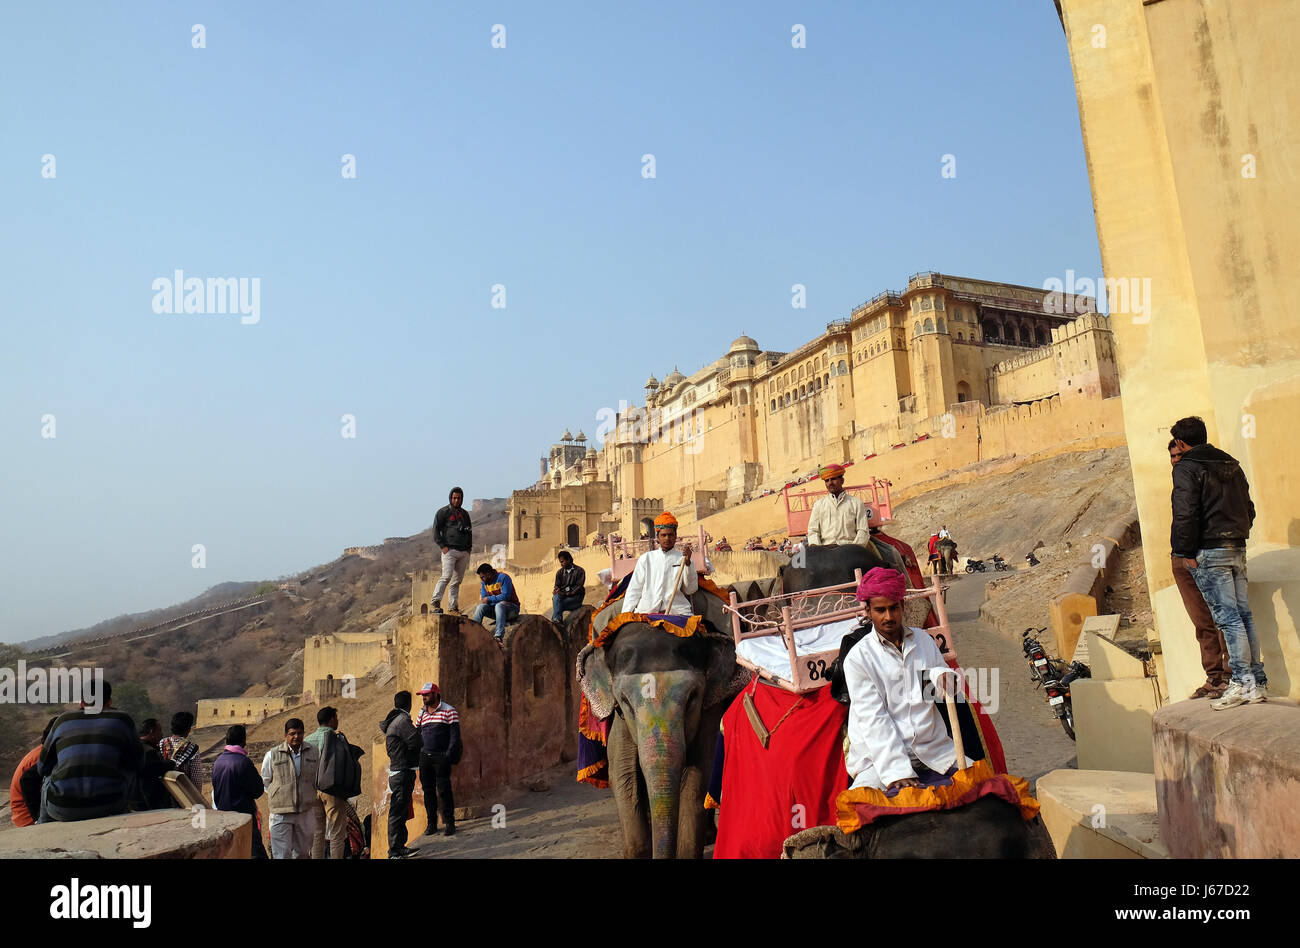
{"x": 667, "y": 694}
{"x": 989, "y": 828}
{"x": 947, "y": 556}
{"x": 832, "y": 565}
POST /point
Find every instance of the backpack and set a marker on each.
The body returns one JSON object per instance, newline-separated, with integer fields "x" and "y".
{"x": 339, "y": 771}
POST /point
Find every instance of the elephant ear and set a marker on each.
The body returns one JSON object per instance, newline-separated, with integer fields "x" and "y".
{"x": 723, "y": 678}
{"x": 595, "y": 680}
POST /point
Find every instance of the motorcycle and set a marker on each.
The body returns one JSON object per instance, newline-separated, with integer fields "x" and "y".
{"x": 1031, "y": 559}
{"x": 1000, "y": 564}
{"x": 975, "y": 566}
{"x": 1054, "y": 676}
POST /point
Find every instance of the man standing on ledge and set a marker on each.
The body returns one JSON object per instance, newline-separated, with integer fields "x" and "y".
{"x": 650, "y": 589}
{"x": 840, "y": 518}
{"x": 454, "y": 536}
{"x": 1213, "y": 515}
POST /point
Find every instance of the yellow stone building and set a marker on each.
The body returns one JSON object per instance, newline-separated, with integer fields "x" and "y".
{"x": 754, "y": 418}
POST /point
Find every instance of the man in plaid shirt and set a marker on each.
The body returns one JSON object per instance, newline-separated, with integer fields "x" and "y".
{"x": 182, "y": 751}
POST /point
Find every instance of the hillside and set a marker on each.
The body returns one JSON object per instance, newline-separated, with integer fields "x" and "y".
{"x": 234, "y": 654}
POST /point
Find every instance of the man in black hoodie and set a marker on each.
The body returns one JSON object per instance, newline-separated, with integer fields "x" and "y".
{"x": 402, "y": 741}
{"x": 454, "y": 536}
{"x": 1213, "y": 514}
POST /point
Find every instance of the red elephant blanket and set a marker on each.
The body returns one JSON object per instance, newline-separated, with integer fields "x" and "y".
{"x": 768, "y": 794}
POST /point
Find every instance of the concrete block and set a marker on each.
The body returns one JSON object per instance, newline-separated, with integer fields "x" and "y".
{"x": 1067, "y": 613}
{"x": 1228, "y": 782}
{"x": 1112, "y": 721}
{"x": 152, "y": 834}
{"x": 1101, "y": 814}
{"x": 1108, "y": 661}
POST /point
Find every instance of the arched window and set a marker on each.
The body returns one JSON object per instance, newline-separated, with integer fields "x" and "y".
{"x": 572, "y": 535}
{"x": 941, "y": 325}
{"x": 916, "y": 328}
{"x": 959, "y": 336}
{"x": 826, "y": 379}
{"x": 1040, "y": 336}
{"x": 963, "y": 392}
{"x": 800, "y": 375}
{"x": 744, "y": 397}
{"x": 774, "y": 404}
{"x": 818, "y": 383}
{"x": 929, "y": 324}
{"x": 843, "y": 368}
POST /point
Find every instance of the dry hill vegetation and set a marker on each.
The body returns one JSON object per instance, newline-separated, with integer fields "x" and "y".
{"x": 255, "y": 652}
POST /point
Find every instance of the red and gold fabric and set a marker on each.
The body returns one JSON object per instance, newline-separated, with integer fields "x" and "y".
{"x": 859, "y": 807}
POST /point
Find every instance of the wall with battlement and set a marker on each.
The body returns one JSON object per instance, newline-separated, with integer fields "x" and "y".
{"x": 226, "y": 711}
{"x": 342, "y": 654}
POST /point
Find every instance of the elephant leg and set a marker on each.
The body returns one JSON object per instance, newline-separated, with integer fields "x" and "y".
{"x": 693, "y": 819}
{"x": 633, "y": 814}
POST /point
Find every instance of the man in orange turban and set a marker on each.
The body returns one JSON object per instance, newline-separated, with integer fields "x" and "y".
{"x": 839, "y": 517}
{"x": 651, "y": 590}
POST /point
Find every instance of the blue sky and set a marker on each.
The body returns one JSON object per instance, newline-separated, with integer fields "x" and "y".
{"x": 474, "y": 166}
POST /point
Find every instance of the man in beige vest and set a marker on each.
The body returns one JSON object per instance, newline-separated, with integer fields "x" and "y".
{"x": 289, "y": 773}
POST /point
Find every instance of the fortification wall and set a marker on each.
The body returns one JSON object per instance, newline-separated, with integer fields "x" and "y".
{"x": 1026, "y": 377}
{"x": 226, "y": 711}
{"x": 335, "y": 656}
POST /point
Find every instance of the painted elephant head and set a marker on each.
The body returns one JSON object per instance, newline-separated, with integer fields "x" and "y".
{"x": 667, "y": 694}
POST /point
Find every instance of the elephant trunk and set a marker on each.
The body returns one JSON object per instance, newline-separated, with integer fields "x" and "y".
{"x": 666, "y": 711}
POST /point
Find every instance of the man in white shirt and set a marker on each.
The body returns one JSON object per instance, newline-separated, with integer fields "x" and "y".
{"x": 840, "y": 517}
{"x": 897, "y": 737}
{"x": 650, "y": 590}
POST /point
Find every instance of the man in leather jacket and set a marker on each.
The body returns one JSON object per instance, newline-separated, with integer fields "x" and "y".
{"x": 1212, "y": 516}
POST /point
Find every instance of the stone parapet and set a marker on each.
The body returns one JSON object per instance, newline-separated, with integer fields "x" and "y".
{"x": 1228, "y": 782}
{"x": 153, "y": 834}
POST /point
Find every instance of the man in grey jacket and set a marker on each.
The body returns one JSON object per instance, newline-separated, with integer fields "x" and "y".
{"x": 289, "y": 774}
{"x": 402, "y": 741}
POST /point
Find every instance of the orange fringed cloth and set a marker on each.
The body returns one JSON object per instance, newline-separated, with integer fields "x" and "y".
{"x": 856, "y": 808}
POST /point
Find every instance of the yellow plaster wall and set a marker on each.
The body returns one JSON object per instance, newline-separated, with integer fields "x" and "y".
{"x": 241, "y": 710}
{"x": 1170, "y": 106}
{"x": 330, "y": 655}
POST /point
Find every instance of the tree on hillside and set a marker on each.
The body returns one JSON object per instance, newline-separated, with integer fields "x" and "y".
{"x": 134, "y": 700}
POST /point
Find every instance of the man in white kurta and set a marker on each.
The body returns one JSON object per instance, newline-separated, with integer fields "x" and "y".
{"x": 655, "y": 572}
{"x": 839, "y": 517}
{"x": 894, "y": 727}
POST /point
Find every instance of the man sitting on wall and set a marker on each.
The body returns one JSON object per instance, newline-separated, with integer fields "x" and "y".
{"x": 570, "y": 587}
{"x": 651, "y": 589}
{"x": 496, "y": 594}
{"x": 840, "y": 517}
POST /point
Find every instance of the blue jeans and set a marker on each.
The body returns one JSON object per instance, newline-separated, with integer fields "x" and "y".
{"x": 560, "y": 603}
{"x": 1220, "y": 575}
{"x": 505, "y": 611}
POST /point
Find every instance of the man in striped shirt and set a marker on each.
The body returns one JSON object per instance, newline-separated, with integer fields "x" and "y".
{"x": 440, "y": 749}
{"x": 89, "y": 762}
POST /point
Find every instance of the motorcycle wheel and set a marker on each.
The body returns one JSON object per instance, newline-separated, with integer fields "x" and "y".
{"x": 1067, "y": 720}
{"x": 969, "y": 568}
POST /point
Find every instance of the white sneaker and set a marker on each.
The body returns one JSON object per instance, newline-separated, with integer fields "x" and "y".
{"x": 1234, "y": 696}
{"x": 1260, "y": 694}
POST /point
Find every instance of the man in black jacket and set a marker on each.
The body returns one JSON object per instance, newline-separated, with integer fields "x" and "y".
{"x": 570, "y": 587}
{"x": 149, "y": 792}
{"x": 454, "y": 535}
{"x": 402, "y": 741}
{"x": 1213, "y": 514}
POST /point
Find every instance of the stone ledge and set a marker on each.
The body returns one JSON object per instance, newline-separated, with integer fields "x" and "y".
{"x": 1228, "y": 782}
{"x": 153, "y": 834}
{"x": 1101, "y": 814}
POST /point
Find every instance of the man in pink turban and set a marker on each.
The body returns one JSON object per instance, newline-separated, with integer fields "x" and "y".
{"x": 897, "y": 737}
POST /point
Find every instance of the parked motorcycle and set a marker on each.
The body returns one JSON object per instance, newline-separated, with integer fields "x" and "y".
{"x": 1031, "y": 559}
{"x": 975, "y": 566}
{"x": 1054, "y": 675}
{"x": 1000, "y": 564}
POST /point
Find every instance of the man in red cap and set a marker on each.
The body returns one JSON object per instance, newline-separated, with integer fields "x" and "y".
{"x": 651, "y": 590}
{"x": 440, "y": 749}
{"x": 840, "y": 517}
{"x": 896, "y": 735}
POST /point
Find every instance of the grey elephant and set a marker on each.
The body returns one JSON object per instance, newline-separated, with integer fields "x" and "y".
{"x": 989, "y": 828}
{"x": 667, "y": 694}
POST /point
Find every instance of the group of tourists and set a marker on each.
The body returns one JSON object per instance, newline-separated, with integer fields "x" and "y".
{"x": 429, "y": 746}
{"x": 91, "y": 764}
